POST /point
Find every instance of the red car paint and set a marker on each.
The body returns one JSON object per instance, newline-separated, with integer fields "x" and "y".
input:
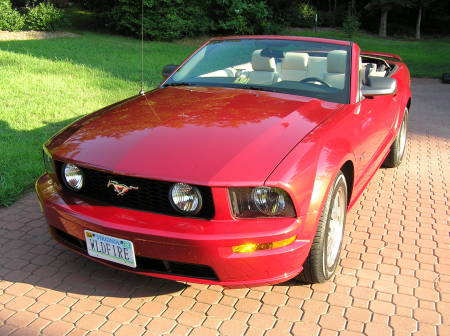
{"x": 182, "y": 124}
{"x": 245, "y": 138}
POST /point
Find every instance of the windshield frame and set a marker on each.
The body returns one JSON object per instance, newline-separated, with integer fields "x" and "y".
{"x": 169, "y": 81}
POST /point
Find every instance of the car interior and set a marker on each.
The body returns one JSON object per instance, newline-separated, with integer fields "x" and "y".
{"x": 268, "y": 67}
{"x": 374, "y": 67}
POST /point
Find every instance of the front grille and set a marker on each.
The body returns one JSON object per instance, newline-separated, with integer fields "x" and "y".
{"x": 151, "y": 196}
{"x": 145, "y": 265}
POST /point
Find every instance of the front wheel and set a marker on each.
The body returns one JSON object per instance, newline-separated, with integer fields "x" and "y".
{"x": 398, "y": 147}
{"x": 326, "y": 247}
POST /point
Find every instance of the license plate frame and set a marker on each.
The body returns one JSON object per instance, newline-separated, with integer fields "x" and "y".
{"x": 110, "y": 248}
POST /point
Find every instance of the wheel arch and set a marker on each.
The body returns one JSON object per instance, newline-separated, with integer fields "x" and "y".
{"x": 348, "y": 169}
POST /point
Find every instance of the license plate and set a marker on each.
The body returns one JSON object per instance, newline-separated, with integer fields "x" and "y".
{"x": 109, "y": 248}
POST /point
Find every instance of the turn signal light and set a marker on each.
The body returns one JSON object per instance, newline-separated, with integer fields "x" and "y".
{"x": 252, "y": 247}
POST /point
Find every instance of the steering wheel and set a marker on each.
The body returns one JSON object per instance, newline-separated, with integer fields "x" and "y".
{"x": 314, "y": 79}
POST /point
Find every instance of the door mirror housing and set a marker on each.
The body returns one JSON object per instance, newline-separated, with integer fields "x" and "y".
{"x": 168, "y": 69}
{"x": 378, "y": 86}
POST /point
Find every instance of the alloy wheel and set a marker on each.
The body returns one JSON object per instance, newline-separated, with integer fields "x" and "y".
{"x": 335, "y": 227}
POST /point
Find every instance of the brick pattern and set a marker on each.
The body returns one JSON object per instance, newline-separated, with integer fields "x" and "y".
{"x": 394, "y": 277}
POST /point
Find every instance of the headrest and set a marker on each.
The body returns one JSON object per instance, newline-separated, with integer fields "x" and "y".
{"x": 367, "y": 71}
{"x": 336, "y": 61}
{"x": 260, "y": 63}
{"x": 295, "y": 61}
{"x": 362, "y": 76}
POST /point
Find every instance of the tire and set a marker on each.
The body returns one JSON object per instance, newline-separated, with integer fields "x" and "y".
{"x": 398, "y": 147}
{"x": 325, "y": 251}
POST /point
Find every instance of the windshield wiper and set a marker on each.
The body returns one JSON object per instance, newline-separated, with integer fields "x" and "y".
{"x": 257, "y": 88}
{"x": 180, "y": 84}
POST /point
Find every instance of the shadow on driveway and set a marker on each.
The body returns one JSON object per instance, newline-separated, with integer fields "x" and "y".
{"x": 30, "y": 256}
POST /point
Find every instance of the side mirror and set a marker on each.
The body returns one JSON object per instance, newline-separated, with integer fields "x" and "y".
{"x": 168, "y": 69}
{"x": 379, "y": 86}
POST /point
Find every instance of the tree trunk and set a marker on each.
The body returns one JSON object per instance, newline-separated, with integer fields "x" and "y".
{"x": 418, "y": 23}
{"x": 383, "y": 22}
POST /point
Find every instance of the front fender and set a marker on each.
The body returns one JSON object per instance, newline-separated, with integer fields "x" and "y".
{"x": 308, "y": 172}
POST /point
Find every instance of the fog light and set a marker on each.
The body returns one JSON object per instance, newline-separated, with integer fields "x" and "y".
{"x": 185, "y": 198}
{"x": 252, "y": 247}
{"x": 72, "y": 176}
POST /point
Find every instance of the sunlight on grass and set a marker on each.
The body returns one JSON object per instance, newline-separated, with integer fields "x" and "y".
{"x": 44, "y": 85}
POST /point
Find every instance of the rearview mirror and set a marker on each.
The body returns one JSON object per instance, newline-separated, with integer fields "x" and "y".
{"x": 168, "y": 69}
{"x": 379, "y": 86}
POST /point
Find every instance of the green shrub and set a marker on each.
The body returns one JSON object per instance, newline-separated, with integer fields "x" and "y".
{"x": 351, "y": 25}
{"x": 305, "y": 15}
{"x": 174, "y": 19}
{"x": 331, "y": 19}
{"x": 25, "y": 3}
{"x": 83, "y": 19}
{"x": 98, "y": 5}
{"x": 44, "y": 17}
{"x": 163, "y": 19}
{"x": 240, "y": 17}
{"x": 10, "y": 19}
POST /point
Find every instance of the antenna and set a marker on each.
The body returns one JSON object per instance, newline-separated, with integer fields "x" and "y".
{"x": 142, "y": 91}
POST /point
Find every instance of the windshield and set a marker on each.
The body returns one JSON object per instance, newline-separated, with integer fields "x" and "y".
{"x": 311, "y": 69}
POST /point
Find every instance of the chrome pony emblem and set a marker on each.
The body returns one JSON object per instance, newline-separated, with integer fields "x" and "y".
{"x": 120, "y": 189}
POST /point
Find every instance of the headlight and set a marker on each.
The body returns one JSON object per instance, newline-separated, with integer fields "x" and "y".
{"x": 73, "y": 176}
{"x": 270, "y": 201}
{"x": 261, "y": 202}
{"x": 185, "y": 198}
{"x": 48, "y": 161}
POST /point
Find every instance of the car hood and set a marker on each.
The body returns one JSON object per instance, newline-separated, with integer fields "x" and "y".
{"x": 199, "y": 135}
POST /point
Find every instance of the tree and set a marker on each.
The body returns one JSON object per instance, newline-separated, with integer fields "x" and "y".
{"x": 351, "y": 8}
{"x": 421, "y": 4}
{"x": 384, "y": 6}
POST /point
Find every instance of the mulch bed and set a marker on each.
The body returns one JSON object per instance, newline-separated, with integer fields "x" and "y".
{"x": 32, "y": 35}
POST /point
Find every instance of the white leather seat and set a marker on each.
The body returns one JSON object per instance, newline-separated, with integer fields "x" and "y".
{"x": 336, "y": 68}
{"x": 377, "y": 73}
{"x": 317, "y": 67}
{"x": 228, "y": 72}
{"x": 294, "y": 66}
{"x": 264, "y": 69}
{"x": 372, "y": 69}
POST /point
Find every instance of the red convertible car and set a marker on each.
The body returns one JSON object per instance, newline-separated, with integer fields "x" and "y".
{"x": 238, "y": 169}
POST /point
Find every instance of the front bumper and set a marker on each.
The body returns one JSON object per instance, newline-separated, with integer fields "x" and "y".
{"x": 179, "y": 248}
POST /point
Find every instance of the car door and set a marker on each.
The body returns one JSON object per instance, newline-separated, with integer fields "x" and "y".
{"x": 375, "y": 117}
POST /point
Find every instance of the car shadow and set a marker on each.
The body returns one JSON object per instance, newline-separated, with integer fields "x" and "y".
{"x": 31, "y": 256}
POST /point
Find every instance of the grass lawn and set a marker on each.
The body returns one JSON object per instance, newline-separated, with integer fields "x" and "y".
{"x": 46, "y": 84}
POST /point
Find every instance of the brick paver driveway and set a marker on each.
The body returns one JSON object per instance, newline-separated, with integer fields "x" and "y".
{"x": 394, "y": 277}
